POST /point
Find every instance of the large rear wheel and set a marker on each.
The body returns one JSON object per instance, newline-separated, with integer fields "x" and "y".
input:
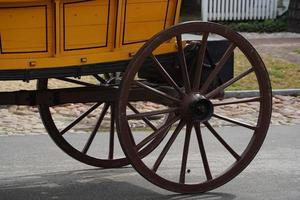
{"x": 194, "y": 155}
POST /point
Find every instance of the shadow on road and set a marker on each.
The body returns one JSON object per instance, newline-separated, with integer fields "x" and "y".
{"x": 88, "y": 184}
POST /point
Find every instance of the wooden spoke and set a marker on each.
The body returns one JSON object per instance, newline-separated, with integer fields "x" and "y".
{"x": 156, "y": 92}
{"x": 243, "y": 124}
{"x": 80, "y": 118}
{"x": 112, "y": 133}
{"x": 146, "y": 120}
{"x": 168, "y": 146}
{"x": 249, "y": 100}
{"x": 77, "y": 82}
{"x": 202, "y": 151}
{"x": 166, "y": 75}
{"x": 131, "y": 136}
{"x": 228, "y": 83}
{"x": 218, "y": 68}
{"x": 183, "y": 65}
{"x": 222, "y": 141}
{"x": 200, "y": 61}
{"x": 96, "y": 128}
{"x": 100, "y": 79}
{"x": 151, "y": 113}
{"x": 185, "y": 153}
{"x": 162, "y": 130}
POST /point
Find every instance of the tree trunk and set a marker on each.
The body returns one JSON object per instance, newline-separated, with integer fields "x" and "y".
{"x": 294, "y": 16}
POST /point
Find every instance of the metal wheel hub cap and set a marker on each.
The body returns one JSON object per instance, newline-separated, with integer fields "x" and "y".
{"x": 196, "y": 107}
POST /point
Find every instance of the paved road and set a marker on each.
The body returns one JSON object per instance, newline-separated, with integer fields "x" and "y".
{"x": 32, "y": 167}
{"x": 281, "y": 48}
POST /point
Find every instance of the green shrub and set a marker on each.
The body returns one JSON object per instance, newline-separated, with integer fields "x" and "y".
{"x": 261, "y": 26}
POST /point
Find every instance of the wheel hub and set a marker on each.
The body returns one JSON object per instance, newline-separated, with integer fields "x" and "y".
{"x": 196, "y": 107}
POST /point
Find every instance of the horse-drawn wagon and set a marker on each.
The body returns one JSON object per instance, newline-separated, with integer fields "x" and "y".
{"x": 111, "y": 57}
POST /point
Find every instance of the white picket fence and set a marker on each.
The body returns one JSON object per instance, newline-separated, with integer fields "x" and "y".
{"x": 224, "y": 10}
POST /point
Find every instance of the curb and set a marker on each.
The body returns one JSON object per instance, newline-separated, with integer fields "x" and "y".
{"x": 255, "y": 93}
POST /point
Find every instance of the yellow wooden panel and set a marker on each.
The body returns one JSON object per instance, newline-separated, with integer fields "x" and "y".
{"x": 23, "y": 29}
{"x": 143, "y": 19}
{"x": 85, "y": 24}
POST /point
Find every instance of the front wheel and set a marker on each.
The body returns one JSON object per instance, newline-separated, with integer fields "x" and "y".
{"x": 195, "y": 156}
{"x": 86, "y": 131}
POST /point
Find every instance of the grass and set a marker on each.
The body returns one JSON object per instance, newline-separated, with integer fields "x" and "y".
{"x": 297, "y": 51}
{"x": 283, "y": 74}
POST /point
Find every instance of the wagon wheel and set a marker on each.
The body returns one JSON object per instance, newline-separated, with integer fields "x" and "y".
{"x": 210, "y": 157}
{"x": 95, "y": 148}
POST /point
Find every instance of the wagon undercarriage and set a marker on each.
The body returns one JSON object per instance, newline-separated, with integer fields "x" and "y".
{"x": 76, "y": 95}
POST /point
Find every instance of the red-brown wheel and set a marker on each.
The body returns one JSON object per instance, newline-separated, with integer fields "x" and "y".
{"x": 210, "y": 157}
{"x": 86, "y": 131}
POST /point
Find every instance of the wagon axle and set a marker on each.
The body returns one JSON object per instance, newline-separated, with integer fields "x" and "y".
{"x": 52, "y": 97}
{"x": 196, "y": 107}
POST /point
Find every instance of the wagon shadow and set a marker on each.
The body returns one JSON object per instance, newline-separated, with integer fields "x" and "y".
{"x": 88, "y": 185}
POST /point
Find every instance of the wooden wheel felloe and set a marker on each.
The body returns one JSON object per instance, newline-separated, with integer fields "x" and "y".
{"x": 209, "y": 157}
{"x": 87, "y": 131}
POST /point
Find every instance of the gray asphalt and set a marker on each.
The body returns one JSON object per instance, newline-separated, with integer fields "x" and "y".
{"x": 32, "y": 167}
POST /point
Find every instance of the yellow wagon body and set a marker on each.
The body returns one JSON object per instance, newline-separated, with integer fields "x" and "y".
{"x": 39, "y": 34}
